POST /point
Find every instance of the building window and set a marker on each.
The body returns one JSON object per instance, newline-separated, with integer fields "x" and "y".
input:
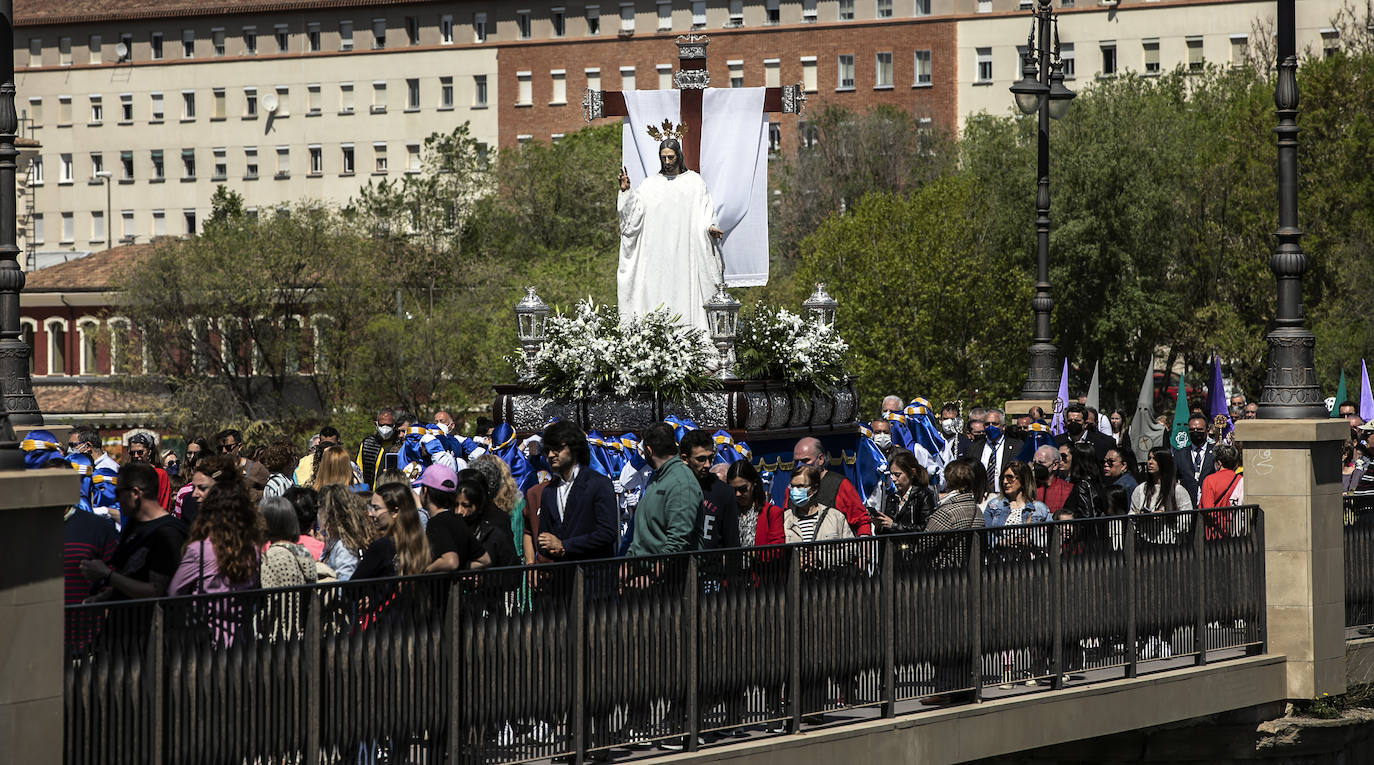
{"x": 188, "y": 164}
{"x": 97, "y": 110}
{"x": 1194, "y": 54}
{"x": 188, "y": 105}
{"x": 922, "y": 8}
{"x": 346, "y": 161}
{"x": 312, "y": 100}
{"x": 922, "y": 69}
{"x": 283, "y": 36}
{"x": 774, "y": 138}
{"x": 68, "y": 171}
{"x": 627, "y": 78}
{"x": 412, "y": 94}
{"x": 57, "y": 334}
{"x": 627, "y": 18}
{"x": 808, "y": 134}
{"x": 64, "y": 51}
{"x": 412, "y": 30}
{"x": 524, "y": 95}
{"x": 883, "y": 9}
{"x": 217, "y": 41}
{"x": 378, "y": 34}
{"x": 593, "y": 20}
{"x": 128, "y": 41}
{"x": 1108, "y": 48}
{"x": 665, "y": 15}
{"x": 846, "y": 10}
{"x": 771, "y": 72}
{"x": 479, "y": 90}
{"x": 1066, "y": 57}
{"x": 312, "y": 37}
{"x": 87, "y": 332}
{"x": 413, "y": 158}
{"x": 97, "y": 164}
{"x": 93, "y": 49}
{"x": 345, "y": 98}
{"x": 882, "y": 70}
{"x": 698, "y": 14}
{"x": 522, "y": 24}
{"x": 560, "y": 87}
{"x": 126, "y": 220}
{"x": 36, "y": 228}
{"x": 35, "y": 114}
{"x": 283, "y": 162}
{"x": 479, "y": 27}
{"x": 809, "y": 11}
{"x": 159, "y": 169}
{"x": 446, "y": 29}
{"x": 68, "y": 228}
{"x": 379, "y": 157}
{"x": 35, "y": 51}
{"x": 1151, "y": 50}
{"x": 1239, "y": 43}
{"x": 985, "y": 6}
{"x": 250, "y": 41}
{"x": 984, "y": 64}
{"x": 809, "y": 79}
{"x": 445, "y": 92}
{"x": 559, "y": 18}
{"x": 126, "y": 162}
{"x": 736, "y": 73}
{"x": 250, "y": 103}
{"x": 665, "y": 77}
{"x": 378, "y": 96}
{"x": 250, "y": 163}
{"x": 316, "y": 160}
{"x": 97, "y": 226}
{"x": 844, "y": 72}
{"x": 155, "y": 45}
{"x": 64, "y": 111}
{"x": 157, "y": 112}
{"x": 218, "y": 104}
{"x": 345, "y": 35}
{"x": 736, "y": 8}
{"x": 1331, "y": 42}
{"x": 36, "y": 171}
{"x": 221, "y": 164}
{"x": 189, "y": 216}
{"x": 159, "y": 223}
{"x": 593, "y": 79}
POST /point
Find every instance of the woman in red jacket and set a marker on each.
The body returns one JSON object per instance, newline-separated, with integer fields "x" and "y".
{"x": 760, "y": 521}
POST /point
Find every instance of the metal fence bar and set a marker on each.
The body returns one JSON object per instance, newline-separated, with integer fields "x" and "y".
{"x": 887, "y": 594}
{"x": 1057, "y": 606}
{"x": 1132, "y": 599}
{"x": 1200, "y": 590}
{"x": 794, "y": 673}
{"x": 690, "y": 629}
{"x": 975, "y": 594}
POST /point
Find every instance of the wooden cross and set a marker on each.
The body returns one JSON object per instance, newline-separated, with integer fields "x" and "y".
{"x": 691, "y": 81}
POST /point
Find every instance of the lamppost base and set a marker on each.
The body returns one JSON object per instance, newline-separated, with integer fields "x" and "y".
{"x": 1042, "y": 379}
{"x": 1290, "y": 387}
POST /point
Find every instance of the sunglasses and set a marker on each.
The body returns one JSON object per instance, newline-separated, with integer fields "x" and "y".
{"x": 228, "y": 447}
{"x": 1008, "y": 477}
{"x": 742, "y": 489}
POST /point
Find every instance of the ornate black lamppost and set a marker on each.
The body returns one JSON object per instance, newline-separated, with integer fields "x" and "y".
{"x": 1290, "y": 386}
{"x": 14, "y": 352}
{"x": 1041, "y": 90}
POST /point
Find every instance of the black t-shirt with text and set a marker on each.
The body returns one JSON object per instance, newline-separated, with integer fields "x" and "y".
{"x": 150, "y": 547}
{"x": 719, "y": 516}
{"x": 449, "y": 534}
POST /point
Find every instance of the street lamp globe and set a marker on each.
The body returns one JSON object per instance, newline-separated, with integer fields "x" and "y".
{"x": 1060, "y": 96}
{"x": 1030, "y": 92}
{"x": 531, "y": 314}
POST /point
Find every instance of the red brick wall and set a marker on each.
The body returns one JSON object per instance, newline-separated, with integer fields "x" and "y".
{"x": 788, "y": 44}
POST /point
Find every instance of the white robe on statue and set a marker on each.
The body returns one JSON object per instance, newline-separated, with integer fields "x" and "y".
{"x": 667, "y": 258}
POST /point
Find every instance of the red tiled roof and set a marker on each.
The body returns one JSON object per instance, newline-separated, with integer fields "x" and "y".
{"x": 95, "y": 272}
{"x": 35, "y": 12}
{"x": 92, "y": 399}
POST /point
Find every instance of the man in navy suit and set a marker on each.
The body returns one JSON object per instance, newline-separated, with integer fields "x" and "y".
{"x": 578, "y": 519}
{"x": 1195, "y": 461}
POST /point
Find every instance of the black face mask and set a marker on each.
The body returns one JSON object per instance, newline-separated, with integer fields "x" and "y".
{"x": 1042, "y": 473}
{"x": 1198, "y": 438}
{"x": 1074, "y": 427}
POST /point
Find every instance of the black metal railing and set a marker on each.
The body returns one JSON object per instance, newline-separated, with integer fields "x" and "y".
{"x": 1358, "y": 521}
{"x": 515, "y": 665}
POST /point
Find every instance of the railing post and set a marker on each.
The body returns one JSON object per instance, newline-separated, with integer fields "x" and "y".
{"x": 975, "y": 598}
{"x": 1132, "y": 600}
{"x": 152, "y": 685}
{"x": 1263, "y": 615}
{"x": 693, "y": 699}
{"x": 887, "y": 607}
{"x": 579, "y": 668}
{"x": 1200, "y": 577}
{"x": 1057, "y": 605}
{"x": 794, "y": 639}
{"x": 455, "y": 664}
{"x": 310, "y": 671}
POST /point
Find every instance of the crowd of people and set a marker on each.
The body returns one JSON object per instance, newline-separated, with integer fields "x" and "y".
{"x": 416, "y": 498}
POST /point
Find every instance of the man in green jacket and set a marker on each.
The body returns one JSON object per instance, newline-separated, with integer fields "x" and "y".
{"x": 668, "y": 518}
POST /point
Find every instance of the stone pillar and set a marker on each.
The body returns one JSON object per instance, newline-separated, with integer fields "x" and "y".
{"x": 1020, "y": 407}
{"x": 1292, "y": 471}
{"x": 32, "y": 505}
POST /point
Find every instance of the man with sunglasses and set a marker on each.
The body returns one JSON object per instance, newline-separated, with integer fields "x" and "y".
{"x": 255, "y": 474}
{"x": 86, "y": 440}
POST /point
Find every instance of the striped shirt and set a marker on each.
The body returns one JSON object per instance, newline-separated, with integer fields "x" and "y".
{"x": 84, "y": 535}
{"x": 807, "y": 526}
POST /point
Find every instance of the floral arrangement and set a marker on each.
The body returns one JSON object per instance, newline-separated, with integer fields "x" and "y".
{"x": 776, "y": 344}
{"x": 593, "y": 353}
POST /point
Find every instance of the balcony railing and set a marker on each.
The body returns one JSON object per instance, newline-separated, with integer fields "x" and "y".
{"x": 511, "y": 665}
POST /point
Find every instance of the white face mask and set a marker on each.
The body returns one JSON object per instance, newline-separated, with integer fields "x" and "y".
{"x": 882, "y": 440}
{"x": 385, "y": 431}
{"x": 443, "y": 427}
{"x": 949, "y": 425}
